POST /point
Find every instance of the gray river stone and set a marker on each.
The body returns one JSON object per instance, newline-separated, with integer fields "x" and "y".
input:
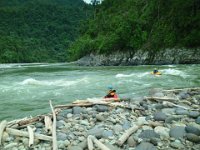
{"x": 145, "y": 146}
{"x": 101, "y": 108}
{"x": 177, "y": 132}
{"x": 180, "y": 111}
{"x": 193, "y": 138}
{"x": 98, "y": 132}
{"x": 148, "y": 134}
{"x": 107, "y": 133}
{"x": 65, "y": 112}
{"x": 183, "y": 95}
{"x": 170, "y": 119}
{"x": 77, "y": 110}
{"x": 193, "y": 114}
{"x": 198, "y": 120}
{"x": 126, "y": 125}
{"x": 192, "y": 129}
{"x": 61, "y": 136}
{"x": 160, "y": 116}
{"x": 75, "y": 148}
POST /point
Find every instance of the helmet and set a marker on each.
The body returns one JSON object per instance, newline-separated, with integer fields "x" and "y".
{"x": 110, "y": 87}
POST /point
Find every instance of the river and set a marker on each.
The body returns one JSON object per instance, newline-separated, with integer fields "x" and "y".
{"x": 25, "y": 89}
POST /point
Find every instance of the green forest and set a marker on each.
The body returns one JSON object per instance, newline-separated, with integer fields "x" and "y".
{"x": 39, "y": 30}
{"x": 66, "y": 30}
{"x": 130, "y": 25}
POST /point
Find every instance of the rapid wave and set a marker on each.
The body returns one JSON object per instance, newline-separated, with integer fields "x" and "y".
{"x": 174, "y": 72}
{"x": 132, "y": 75}
{"x": 62, "y": 82}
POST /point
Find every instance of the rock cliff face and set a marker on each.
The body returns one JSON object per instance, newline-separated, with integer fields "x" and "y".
{"x": 167, "y": 56}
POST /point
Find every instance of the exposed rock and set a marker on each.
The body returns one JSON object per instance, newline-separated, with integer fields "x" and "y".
{"x": 177, "y": 132}
{"x": 145, "y": 146}
{"x": 192, "y": 129}
{"x": 193, "y": 138}
{"x": 147, "y": 134}
{"x": 160, "y": 116}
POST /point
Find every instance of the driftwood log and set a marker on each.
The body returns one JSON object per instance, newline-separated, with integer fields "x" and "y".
{"x": 31, "y": 136}
{"x": 126, "y": 135}
{"x": 26, "y": 134}
{"x": 160, "y": 99}
{"x": 55, "y": 147}
{"x": 90, "y": 144}
{"x": 2, "y": 127}
{"x": 99, "y": 144}
{"x": 48, "y": 124}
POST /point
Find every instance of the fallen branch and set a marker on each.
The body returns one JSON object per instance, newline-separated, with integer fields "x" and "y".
{"x": 160, "y": 99}
{"x": 48, "y": 124}
{"x": 90, "y": 144}
{"x": 126, "y": 135}
{"x": 2, "y": 127}
{"x": 54, "y": 128}
{"x": 26, "y": 134}
{"x": 175, "y": 90}
{"x": 172, "y": 104}
{"x": 99, "y": 144}
{"x": 31, "y": 136}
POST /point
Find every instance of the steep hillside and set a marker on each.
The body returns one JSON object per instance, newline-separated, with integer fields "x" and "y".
{"x": 39, "y": 31}
{"x": 148, "y": 25}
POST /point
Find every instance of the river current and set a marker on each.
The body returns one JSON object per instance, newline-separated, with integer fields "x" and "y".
{"x": 25, "y": 89}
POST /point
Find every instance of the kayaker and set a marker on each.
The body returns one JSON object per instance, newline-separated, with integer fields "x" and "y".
{"x": 155, "y": 71}
{"x": 111, "y": 93}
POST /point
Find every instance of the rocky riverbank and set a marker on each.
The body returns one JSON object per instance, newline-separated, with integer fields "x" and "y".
{"x": 140, "y": 57}
{"x": 165, "y": 120}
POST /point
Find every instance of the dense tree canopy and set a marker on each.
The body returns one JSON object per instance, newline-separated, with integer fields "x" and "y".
{"x": 39, "y": 30}
{"x": 129, "y": 25}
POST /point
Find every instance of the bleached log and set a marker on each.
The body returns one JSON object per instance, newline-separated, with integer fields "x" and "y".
{"x": 175, "y": 90}
{"x": 55, "y": 147}
{"x": 26, "y": 134}
{"x": 90, "y": 144}
{"x": 172, "y": 104}
{"x": 2, "y": 127}
{"x": 154, "y": 123}
{"x": 160, "y": 99}
{"x": 31, "y": 136}
{"x": 126, "y": 135}
{"x": 48, "y": 124}
{"x": 99, "y": 144}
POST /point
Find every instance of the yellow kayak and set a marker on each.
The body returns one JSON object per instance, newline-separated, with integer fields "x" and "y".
{"x": 157, "y": 73}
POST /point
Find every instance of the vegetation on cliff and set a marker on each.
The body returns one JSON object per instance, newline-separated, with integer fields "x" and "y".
{"x": 39, "y": 30}
{"x": 130, "y": 25}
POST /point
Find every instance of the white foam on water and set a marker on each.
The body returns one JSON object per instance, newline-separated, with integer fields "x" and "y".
{"x": 132, "y": 75}
{"x": 61, "y": 82}
{"x": 174, "y": 72}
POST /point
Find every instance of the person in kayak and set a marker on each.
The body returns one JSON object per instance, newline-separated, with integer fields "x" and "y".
{"x": 155, "y": 71}
{"x": 111, "y": 93}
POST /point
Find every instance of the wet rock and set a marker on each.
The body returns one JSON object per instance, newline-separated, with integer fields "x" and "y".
{"x": 162, "y": 131}
{"x": 65, "y": 112}
{"x": 75, "y": 148}
{"x": 193, "y": 138}
{"x": 192, "y": 129}
{"x": 61, "y": 136}
{"x": 77, "y": 110}
{"x": 111, "y": 147}
{"x": 170, "y": 119}
{"x": 183, "y": 95}
{"x": 39, "y": 125}
{"x": 180, "y": 111}
{"x": 177, "y": 144}
{"x": 147, "y": 134}
{"x": 145, "y": 146}
{"x": 117, "y": 128}
{"x": 101, "y": 108}
{"x": 98, "y": 132}
{"x": 198, "y": 120}
{"x": 159, "y": 116}
{"x": 155, "y": 141}
{"x": 158, "y": 106}
{"x": 126, "y": 125}
{"x": 100, "y": 117}
{"x": 193, "y": 114}
{"x": 107, "y": 133}
{"x": 131, "y": 142}
{"x": 177, "y": 132}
